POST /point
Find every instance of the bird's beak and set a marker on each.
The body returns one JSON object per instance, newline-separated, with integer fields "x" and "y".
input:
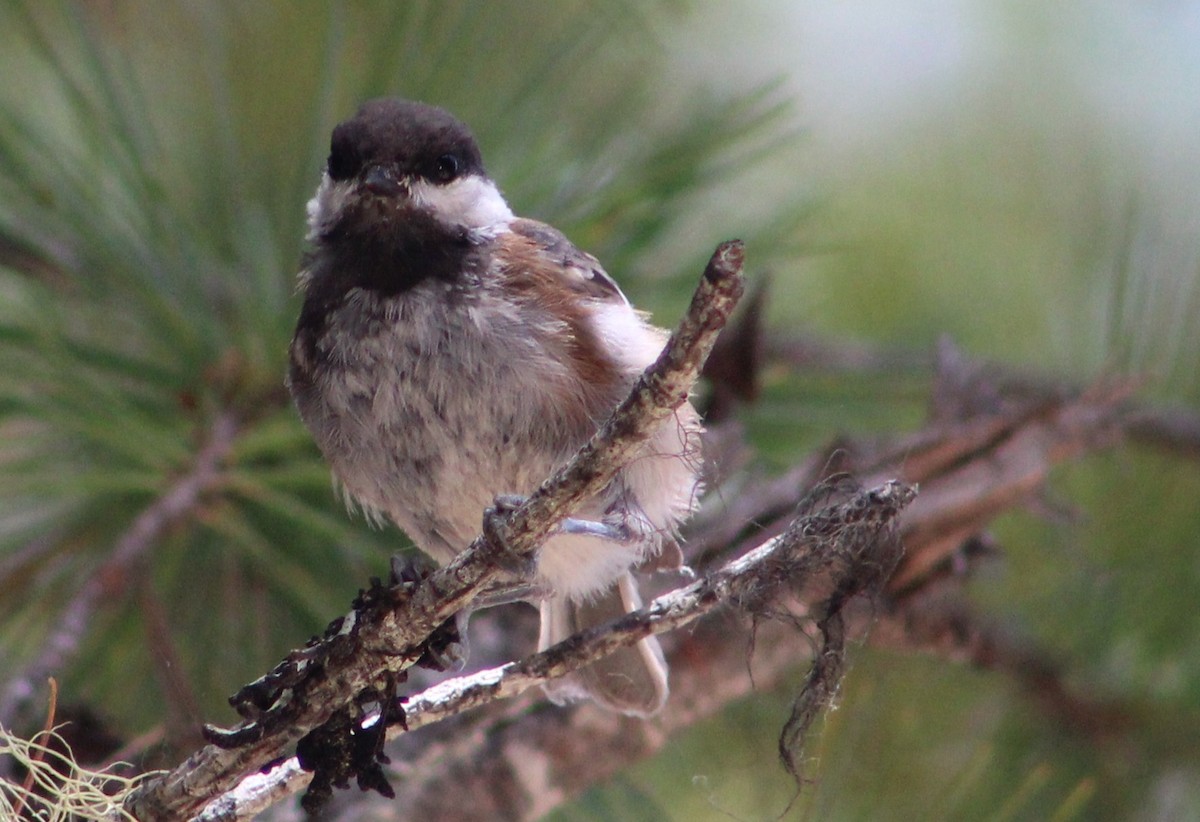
{"x": 383, "y": 181}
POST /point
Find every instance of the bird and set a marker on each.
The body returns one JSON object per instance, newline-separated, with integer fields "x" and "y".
{"x": 448, "y": 353}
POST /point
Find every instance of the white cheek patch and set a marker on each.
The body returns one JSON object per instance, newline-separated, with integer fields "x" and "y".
{"x": 471, "y": 201}
{"x": 326, "y": 205}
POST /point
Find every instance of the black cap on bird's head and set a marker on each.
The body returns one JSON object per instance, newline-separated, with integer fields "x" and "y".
{"x": 391, "y": 140}
{"x": 401, "y": 162}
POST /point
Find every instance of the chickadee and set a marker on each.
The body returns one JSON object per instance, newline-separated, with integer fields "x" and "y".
{"x": 449, "y": 352}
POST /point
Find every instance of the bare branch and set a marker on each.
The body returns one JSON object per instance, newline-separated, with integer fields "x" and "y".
{"x": 856, "y": 532}
{"x": 1174, "y": 430}
{"x": 391, "y": 640}
{"x": 987, "y": 450}
{"x": 991, "y": 453}
{"x": 813, "y": 542}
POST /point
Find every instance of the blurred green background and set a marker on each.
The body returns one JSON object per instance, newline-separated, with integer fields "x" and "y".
{"x": 1023, "y": 177}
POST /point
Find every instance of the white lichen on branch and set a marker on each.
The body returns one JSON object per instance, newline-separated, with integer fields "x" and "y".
{"x": 385, "y": 646}
{"x": 842, "y": 533}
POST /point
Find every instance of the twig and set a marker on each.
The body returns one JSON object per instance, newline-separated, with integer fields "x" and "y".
{"x": 488, "y": 760}
{"x": 1174, "y": 430}
{"x": 183, "y": 715}
{"x": 39, "y": 753}
{"x": 813, "y": 542}
{"x": 177, "y": 502}
{"x": 857, "y": 532}
{"x": 393, "y": 642}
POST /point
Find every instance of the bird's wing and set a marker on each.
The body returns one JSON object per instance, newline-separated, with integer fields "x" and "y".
{"x": 547, "y": 249}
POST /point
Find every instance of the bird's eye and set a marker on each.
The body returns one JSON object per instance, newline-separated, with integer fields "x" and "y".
{"x": 342, "y": 163}
{"x": 446, "y": 168}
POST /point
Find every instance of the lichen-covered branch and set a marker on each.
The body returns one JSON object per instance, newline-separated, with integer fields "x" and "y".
{"x": 370, "y": 652}
{"x": 989, "y": 447}
{"x": 855, "y": 536}
{"x": 857, "y": 533}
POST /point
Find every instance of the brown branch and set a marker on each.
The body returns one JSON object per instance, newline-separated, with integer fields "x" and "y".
{"x": 508, "y": 761}
{"x": 987, "y": 450}
{"x": 854, "y": 534}
{"x": 386, "y": 646}
{"x": 989, "y": 447}
{"x": 812, "y": 353}
{"x": 959, "y": 501}
{"x": 177, "y": 502}
{"x": 183, "y": 715}
{"x": 992, "y": 442}
{"x": 1174, "y": 430}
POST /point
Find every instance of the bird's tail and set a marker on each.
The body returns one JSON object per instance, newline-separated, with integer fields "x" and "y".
{"x": 632, "y": 680}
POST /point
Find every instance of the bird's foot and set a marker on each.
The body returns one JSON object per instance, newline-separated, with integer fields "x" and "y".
{"x": 447, "y": 649}
{"x": 523, "y": 567}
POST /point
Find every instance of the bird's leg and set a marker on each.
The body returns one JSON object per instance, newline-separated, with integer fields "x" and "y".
{"x": 626, "y": 522}
{"x": 612, "y": 532}
{"x": 616, "y": 530}
{"x": 506, "y": 593}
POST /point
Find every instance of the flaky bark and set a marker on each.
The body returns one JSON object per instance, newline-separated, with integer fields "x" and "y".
{"x": 988, "y": 448}
{"x": 851, "y": 539}
{"x": 384, "y": 641}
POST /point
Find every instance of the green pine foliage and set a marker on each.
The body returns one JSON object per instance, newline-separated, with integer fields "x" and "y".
{"x": 155, "y": 160}
{"x": 154, "y": 166}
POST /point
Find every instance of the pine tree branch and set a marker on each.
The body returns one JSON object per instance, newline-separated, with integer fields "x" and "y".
{"x": 176, "y": 503}
{"x": 1173, "y": 430}
{"x": 996, "y": 454}
{"x": 393, "y": 638}
{"x": 503, "y": 765}
{"x": 856, "y": 535}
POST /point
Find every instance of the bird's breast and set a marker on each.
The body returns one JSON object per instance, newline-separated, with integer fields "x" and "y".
{"x": 429, "y": 403}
